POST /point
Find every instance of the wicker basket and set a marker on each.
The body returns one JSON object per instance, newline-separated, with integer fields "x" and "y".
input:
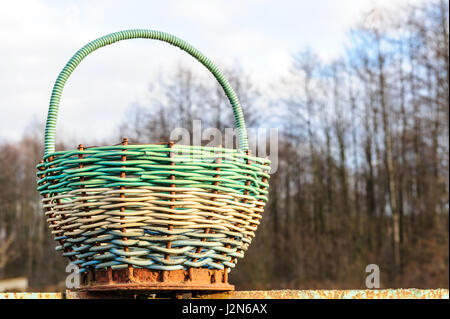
{"x": 156, "y": 216}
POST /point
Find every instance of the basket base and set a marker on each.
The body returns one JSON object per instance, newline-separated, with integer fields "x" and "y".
{"x": 194, "y": 279}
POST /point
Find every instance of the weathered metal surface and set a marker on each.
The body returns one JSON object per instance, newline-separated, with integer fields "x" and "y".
{"x": 145, "y": 279}
{"x": 31, "y": 295}
{"x": 257, "y": 294}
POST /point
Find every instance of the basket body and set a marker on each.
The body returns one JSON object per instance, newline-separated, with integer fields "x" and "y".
{"x": 160, "y": 207}
{"x": 157, "y": 216}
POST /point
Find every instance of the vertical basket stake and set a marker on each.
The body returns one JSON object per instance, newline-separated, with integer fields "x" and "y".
{"x": 90, "y": 273}
{"x": 215, "y": 191}
{"x": 170, "y": 227}
{"x": 122, "y": 208}
{"x": 216, "y": 183}
{"x": 264, "y": 180}
{"x": 246, "y": 192}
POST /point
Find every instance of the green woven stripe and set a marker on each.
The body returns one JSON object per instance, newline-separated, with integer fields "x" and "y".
{"x": 131, "y": 34}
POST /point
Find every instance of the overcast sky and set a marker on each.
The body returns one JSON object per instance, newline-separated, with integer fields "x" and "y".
{"x": 39, "y": 36}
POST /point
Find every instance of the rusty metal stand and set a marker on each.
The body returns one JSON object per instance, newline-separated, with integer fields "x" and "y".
{"x": 103, "y": 283}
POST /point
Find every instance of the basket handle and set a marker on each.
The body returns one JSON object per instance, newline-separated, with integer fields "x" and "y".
{"x": 132, "y": 34}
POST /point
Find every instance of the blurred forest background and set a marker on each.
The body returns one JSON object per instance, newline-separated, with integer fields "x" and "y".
{"x": 363, "y": 167}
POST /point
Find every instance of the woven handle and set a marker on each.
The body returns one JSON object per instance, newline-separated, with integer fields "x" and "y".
{"x": 132, "y": 34}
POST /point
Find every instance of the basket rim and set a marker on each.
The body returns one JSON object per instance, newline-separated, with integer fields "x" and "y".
{"x": 91, "y": 149}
